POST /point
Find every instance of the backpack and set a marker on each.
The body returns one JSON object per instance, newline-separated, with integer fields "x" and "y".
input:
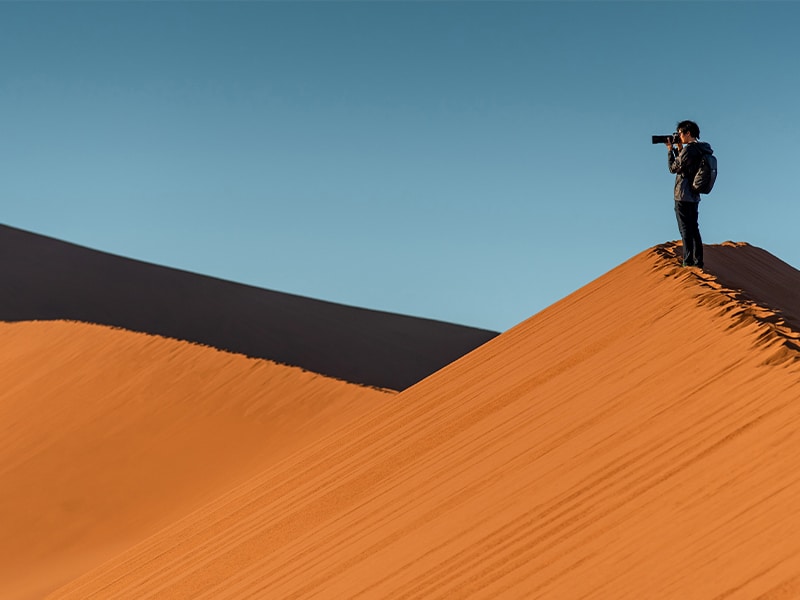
{"x": 706, "y": 175}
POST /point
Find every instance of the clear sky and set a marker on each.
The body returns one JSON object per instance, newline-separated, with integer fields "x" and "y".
{"x": 471, "y": 162}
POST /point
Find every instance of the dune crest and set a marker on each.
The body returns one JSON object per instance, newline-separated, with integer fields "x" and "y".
{"x": 636, "y": 439}
{"x": 107, "y": 435}
{"x": 752, "y": 286}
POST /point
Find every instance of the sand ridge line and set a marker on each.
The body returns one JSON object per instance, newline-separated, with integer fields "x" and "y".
{"x": 223, "y": 351}
{"x": 736, "y": 304}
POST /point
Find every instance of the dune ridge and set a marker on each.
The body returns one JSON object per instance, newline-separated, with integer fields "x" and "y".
{"x": 55, "y": 280}
{"x": 107, "y": 435}
{"x": 749, "y": 290}
{"x": 636, "y": 439}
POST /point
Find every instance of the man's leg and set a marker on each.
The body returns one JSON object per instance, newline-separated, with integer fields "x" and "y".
{"x": 697, "y": 244}
{"x": 680, "y": 215}
{"x": 686, "y": 213}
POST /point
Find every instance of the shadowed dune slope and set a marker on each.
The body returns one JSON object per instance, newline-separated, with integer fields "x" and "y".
{"x": 638, "y": 439}
{"x": 759, "y": 277}
{"x": 106, "y": 436}
{"x": 50, "y": 279}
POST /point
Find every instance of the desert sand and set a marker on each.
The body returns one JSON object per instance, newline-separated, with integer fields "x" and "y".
{"x": 106, "y": 436}
{"x": 637, "y": 439}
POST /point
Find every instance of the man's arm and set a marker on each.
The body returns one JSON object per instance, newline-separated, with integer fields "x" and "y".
{"x": 683, "y": 162}
{"x": 671, "y": 159}
{"x": 672, "y": 154}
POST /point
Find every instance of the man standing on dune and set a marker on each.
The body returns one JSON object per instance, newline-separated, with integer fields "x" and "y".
{"x": 684, "y": 162}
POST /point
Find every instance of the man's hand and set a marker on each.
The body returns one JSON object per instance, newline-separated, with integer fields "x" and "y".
{"x": 678, "y": 143}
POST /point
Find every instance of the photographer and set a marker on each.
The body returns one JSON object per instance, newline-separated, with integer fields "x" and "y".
{"x": 684, "y": 162}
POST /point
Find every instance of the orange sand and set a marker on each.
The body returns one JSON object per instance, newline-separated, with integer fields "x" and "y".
{"x": 107, "y": 435}
{"x": 637, "y": 439}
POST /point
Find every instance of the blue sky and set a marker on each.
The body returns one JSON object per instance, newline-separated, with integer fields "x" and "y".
{"x": 471, "y": 162}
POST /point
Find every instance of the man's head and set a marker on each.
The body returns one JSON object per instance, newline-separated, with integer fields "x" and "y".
{"x": 688, "y": 128}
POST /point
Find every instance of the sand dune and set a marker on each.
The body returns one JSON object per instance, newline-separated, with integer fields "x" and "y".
{"x": 52, "y": 279}
{"x": 106, "y": 436}
{"x": 637, "y": 439}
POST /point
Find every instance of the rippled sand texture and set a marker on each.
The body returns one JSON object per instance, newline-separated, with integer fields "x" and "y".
{"x": 638, "y": 439}
{"x": 106, "y": 436}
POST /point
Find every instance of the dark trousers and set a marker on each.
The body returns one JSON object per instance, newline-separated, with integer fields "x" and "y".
{"x": 686, "y": 212}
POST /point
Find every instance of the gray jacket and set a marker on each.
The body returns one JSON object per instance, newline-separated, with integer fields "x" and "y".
{"x": 685, "y": 165}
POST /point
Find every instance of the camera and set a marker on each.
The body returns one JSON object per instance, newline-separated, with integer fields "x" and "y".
{"x": 666, "y": 139}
